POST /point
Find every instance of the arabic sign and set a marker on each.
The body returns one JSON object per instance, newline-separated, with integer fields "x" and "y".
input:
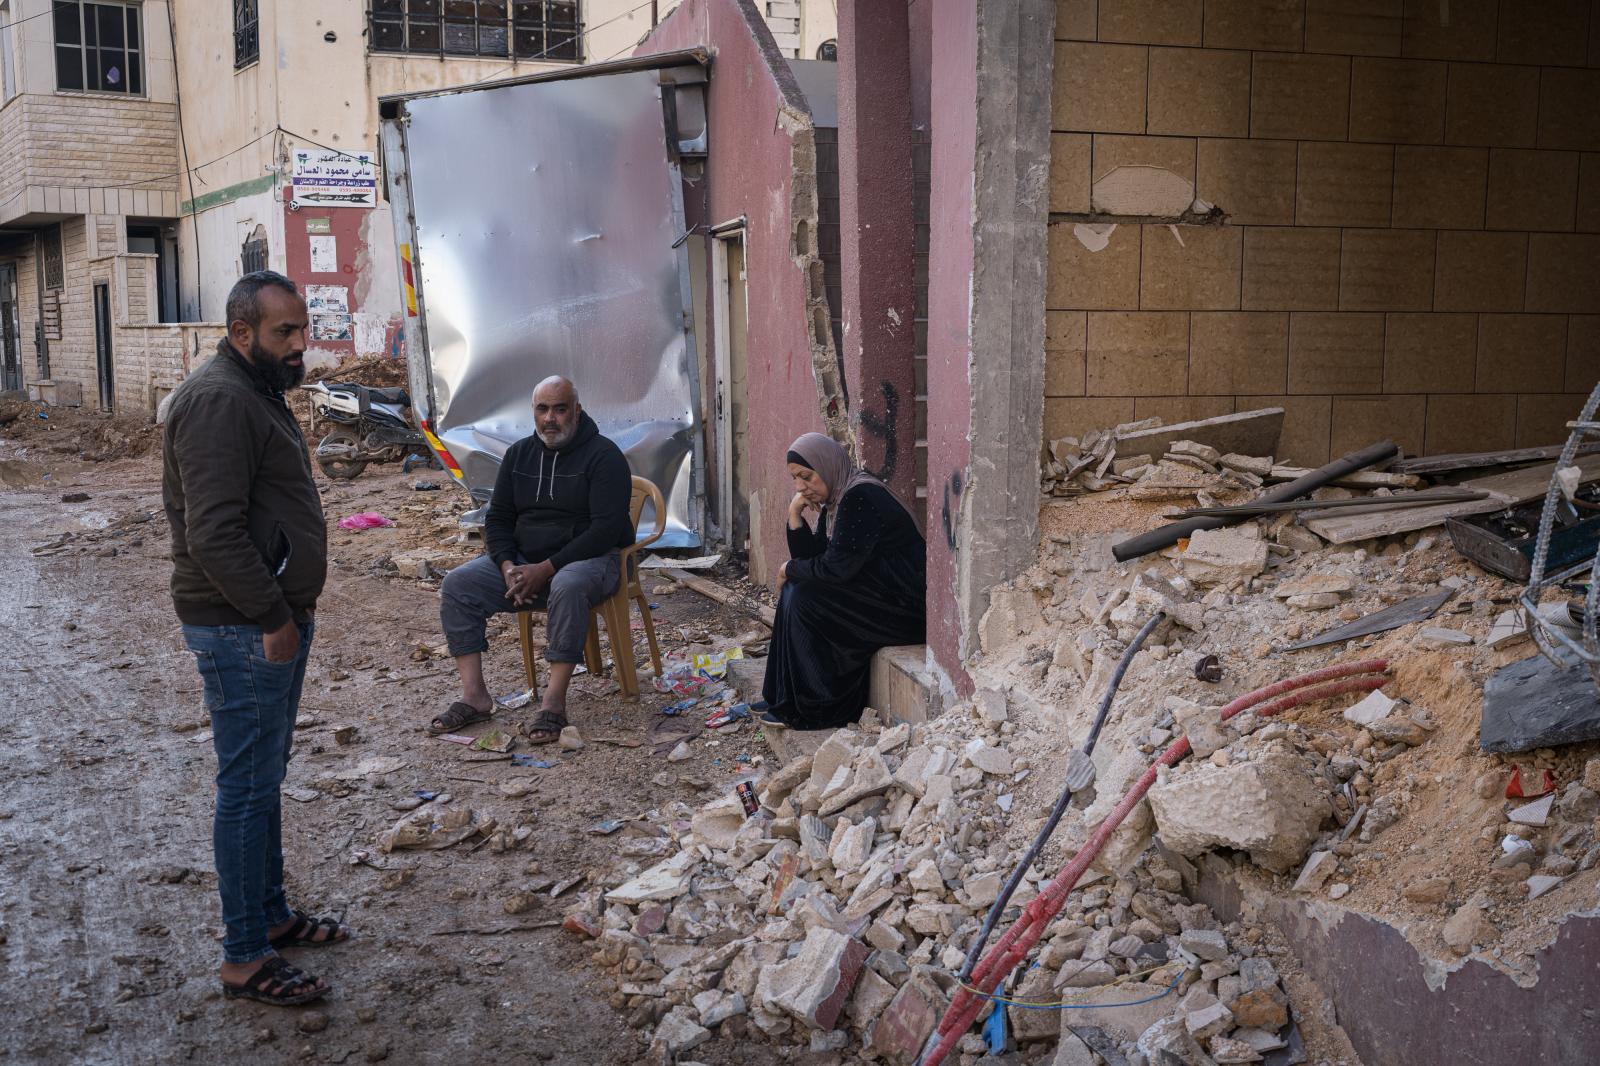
{"x": 324, "y": 178}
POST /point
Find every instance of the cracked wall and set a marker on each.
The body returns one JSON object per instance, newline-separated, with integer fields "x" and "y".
{"x": 1384, "y": 223}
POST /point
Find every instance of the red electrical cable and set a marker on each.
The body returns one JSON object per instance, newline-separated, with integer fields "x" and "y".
{"x": 1011, "y": 948}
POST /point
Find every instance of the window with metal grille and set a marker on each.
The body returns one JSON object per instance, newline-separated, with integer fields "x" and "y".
{"x": 246, "y": 33}
{"x": 253, "y": 256}
{"x": 526, "y": 29}
{"x": 55, "y": 270}
{"x": 99, "y": 47}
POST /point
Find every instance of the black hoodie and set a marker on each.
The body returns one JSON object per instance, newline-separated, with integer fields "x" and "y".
{"x": 561, "y": 505}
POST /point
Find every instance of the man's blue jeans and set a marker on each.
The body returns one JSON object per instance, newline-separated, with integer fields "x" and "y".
{"x": 253, "y": 704}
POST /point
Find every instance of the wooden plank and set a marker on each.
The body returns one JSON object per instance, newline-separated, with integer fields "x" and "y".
{"x": 714, "y": 591}
{"x": 1361, "y": 479}
{"x": 1439, "y": 464}
{"x": 1512, "y": 487}
{"x": 1242, "y": 433}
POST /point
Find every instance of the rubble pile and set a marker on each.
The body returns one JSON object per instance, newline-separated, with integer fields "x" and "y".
{"x": 838, "y": 915}
{"x": 1185, "y": 469}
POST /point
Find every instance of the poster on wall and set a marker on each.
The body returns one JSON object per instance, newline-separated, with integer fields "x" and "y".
{"x": 331, "y": 328}
{"x": 324, "y": 178}
{"x": 324, "y": 255}
{"x": 328, "y": 299}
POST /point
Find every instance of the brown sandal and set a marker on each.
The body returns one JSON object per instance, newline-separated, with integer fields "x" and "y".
{"x": 545, "y": 727}
{"x": 459, "y": 715}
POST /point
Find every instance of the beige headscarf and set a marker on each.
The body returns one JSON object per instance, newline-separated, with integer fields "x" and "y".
{"x": 831, "y": 462}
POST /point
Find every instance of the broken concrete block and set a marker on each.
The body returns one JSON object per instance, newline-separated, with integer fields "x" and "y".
{"x": 872, "y": 996}
{"x": 1314, "y": 584}
{"x": 1509, "y": 627}
{"x": 922, "y": 764}
{"x": 1208, "y": 1022}
{"x": 1397, "y": 730}
{"x": 1168, "y": 1043}
{"x": 1298, "y": 538}
{"x": 665, "y": 880}
{"x": 1373, "y": 707}
{"x": 678, "y": 1032}
{"x": 1259, "y": 465}
{"x": 991, "y": 705}
{"x": 1072, "y": 1051}
{"x": 1427, "y": 890}
{"x": 1149, "y": 594}
{"x": 1087, "y": 975}
{"x": 1195, "y": 450}
{"x": 1217, "y": 556}
{"x": 1228, "y": 1052}
{"x": 717, "y": 1006}
{"x": 1202, "y": 725}
{"x": 1440, "y": 637}
{"x": 1012, "y": 613}
{"x": 1468, "y": 925}
{"x": 1029, "y": 1026}
{"x": 1536, "y": 813}
{"x": 1261, "y": 1008}
{"x": 1315, "y": 873}
{"x": 1270, "y": 806}
{"x": 869, "y": 776}
{"x": 815, "y": 985}
{"x": 1314, "y": 601}
{"x": 1205, "y": 944}
{"x": 991, "y": 760}
{"x": 900, "y": 1032}
{"x": 1539, "y": 884}
{"x": 1114, "y": 773}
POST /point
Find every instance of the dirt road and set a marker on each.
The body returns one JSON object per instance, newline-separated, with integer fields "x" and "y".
{"x": 108, "y": 911}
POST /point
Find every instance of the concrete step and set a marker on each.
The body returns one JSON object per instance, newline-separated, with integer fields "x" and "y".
{"x": 901, "y": 689}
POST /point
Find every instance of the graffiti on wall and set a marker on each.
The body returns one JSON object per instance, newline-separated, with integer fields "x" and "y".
{"x": 886, "y": 430}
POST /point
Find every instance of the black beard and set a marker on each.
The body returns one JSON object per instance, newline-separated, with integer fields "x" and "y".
{"x": 279, "y": 374}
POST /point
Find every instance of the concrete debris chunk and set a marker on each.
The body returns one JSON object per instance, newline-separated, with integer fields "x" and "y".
{"x": 900, "y": 1033}
{"x": 991, "y": 705}
{"x": 665, "y": 880}
{"x": 1219, "y": 556}
{"x": 1509, "y": 627}
{"x": 1539, "y": 884}
{"x": 1441, "y": 637}
{"x": 1259, "y": 465}
{"x": 1271, "y": 807}
{"x": 1168, "y": 1043}
{"x": 1315, "y": 873}
{"x": 1314, "y": 584}
{"x": 1204, "y": 944}
{"x": 816, "y": 984}
{"x": 1373, "y": 707}
{"x": 991, "y": 760}
{"x": 679, "y": 1032}
{"x": 1468, "y": 926}
{"x": 1536, "y": 813}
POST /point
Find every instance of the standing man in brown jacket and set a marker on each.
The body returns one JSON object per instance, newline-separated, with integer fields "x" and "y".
{"x": 249, "y": 557}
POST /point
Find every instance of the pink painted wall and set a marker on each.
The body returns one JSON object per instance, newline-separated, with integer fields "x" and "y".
{"x": 952, "y": 102}
{"x": 749, "y": 173}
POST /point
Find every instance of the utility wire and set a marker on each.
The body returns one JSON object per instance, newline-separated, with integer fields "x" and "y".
{"x": 51, "y": 10}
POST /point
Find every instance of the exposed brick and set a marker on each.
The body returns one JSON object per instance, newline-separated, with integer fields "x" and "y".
{"x": 1344, "y": 184}
{"x": 1190, "y": 268}
{"x": 1430, "y": 353}
{"x": 1306, "y": 421}
{"x": 1291, "y": 269}
{"x": 1563, "y": 273}
{"x": 1568, "y": 116}
{"x": 1397, "y": 100}
{"x": 1253, "y": 181}
{"x": 1099, "y": 88}
{"x": 1354, "y": 27}
{"x": 1302, "y": 96}
{"x": 1079, "y": 278}
{"x": 1138, "y": 353}
{"x": 1439, "y": 188}
{"x": 1199, "y": 92}
{"x": 1238, "y": 352}
{"x": 1357, "y": 421}
{"x": 1471, "y": 423}
{"x": 1532, "y": 190}
{"x": 1386, "y": 270}
{"x": 1583, "y": 353}
{"x": 1468, "y": 33}
{"x": 1069, "y": 172}
{"x": 1175, "y": 22}
{"x": 1518, "y": 353}
{"x": 1481, "y": 271}
{"x": 1549, "y": 33}
{"x": 1542, "y": 419}
{"x": 1330, "y": 352}
{"x": 1065, "y": 334}
{"x": 1257, "y": 24}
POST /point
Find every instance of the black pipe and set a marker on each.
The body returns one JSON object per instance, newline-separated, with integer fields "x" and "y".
{"x": 1062, "y": 801}
{"x": 1166, "y": 536}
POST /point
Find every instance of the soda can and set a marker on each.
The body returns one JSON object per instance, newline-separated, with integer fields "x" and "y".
{"x": 747, "y": 796}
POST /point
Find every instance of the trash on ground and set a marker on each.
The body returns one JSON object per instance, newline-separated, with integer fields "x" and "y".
{"x": 364, "y": 520}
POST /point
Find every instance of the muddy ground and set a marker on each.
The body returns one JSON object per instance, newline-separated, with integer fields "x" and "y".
{"x": 109, "y": 921}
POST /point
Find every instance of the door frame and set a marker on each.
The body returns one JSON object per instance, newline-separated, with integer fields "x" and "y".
{"x": 105, "y": 367}
{"x": 722, "y": 333}
{"x": 10, "y": 330}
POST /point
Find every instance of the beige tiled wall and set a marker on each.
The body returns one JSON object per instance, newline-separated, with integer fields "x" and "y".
{"x": 1412, "y": 242}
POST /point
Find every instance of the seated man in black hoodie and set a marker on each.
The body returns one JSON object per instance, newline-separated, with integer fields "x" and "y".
{"x": 557, "y": 520}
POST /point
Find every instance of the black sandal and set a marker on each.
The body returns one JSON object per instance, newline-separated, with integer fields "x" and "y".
{"x": 277, "y": 983}
{"x": 459, "y": 715}
{"x": 303, "y": 933}
{"x": 545, "y": 727}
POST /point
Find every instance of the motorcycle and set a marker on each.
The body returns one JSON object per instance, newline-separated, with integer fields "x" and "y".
{"x": 372, "y": 426}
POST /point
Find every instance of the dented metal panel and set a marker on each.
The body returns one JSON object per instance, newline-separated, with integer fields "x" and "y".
{"x": 541, "y": 220}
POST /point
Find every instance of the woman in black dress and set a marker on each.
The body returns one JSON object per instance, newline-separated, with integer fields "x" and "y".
{"x": 854, "y": 584}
